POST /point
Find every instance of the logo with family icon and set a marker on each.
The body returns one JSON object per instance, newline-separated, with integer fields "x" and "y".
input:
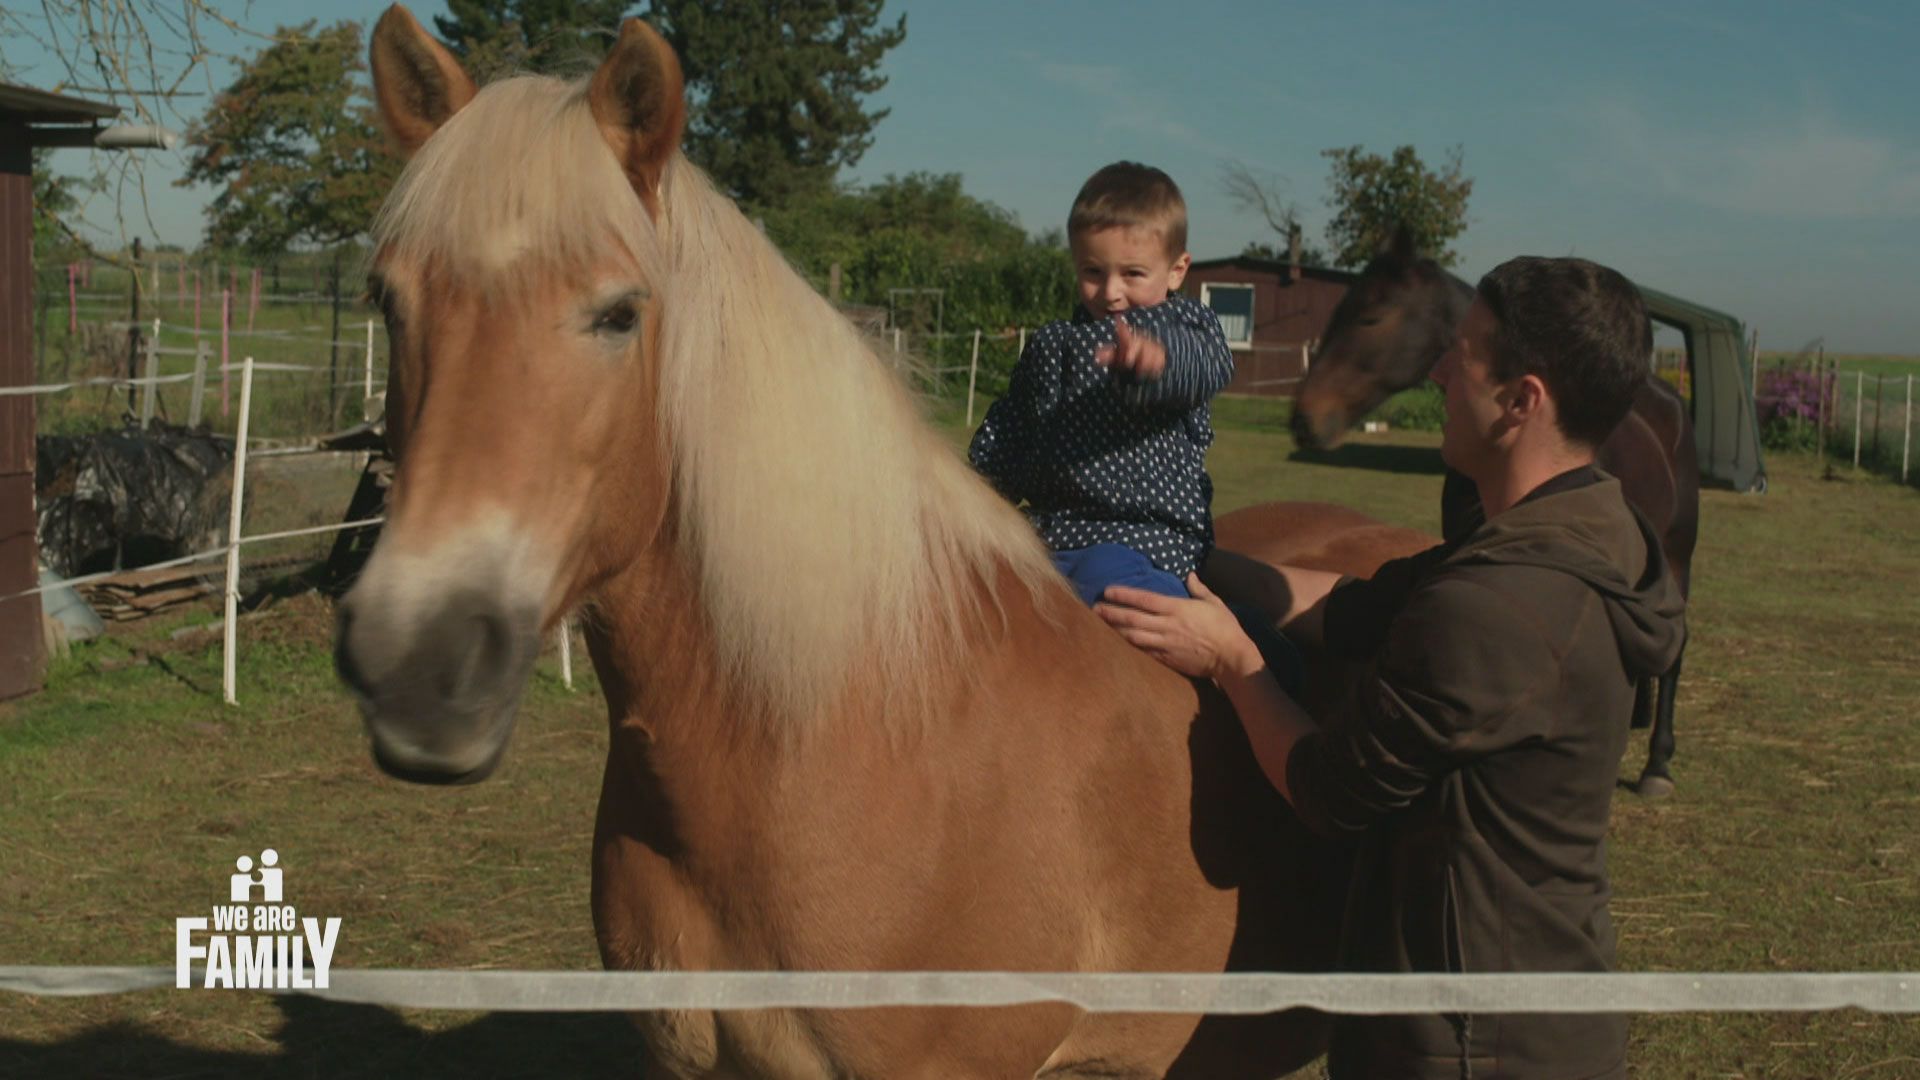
{"x": 255, "y": 941}
{"x": 240, "y": 891}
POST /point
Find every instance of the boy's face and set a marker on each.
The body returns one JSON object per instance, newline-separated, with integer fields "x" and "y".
{"x": 1125, "y": 266}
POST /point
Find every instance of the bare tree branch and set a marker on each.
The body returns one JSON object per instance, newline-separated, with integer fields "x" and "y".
{"x": 1260, "y": 194}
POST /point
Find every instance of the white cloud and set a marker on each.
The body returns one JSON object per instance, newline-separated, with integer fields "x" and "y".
{"x": 1807, "y": 166}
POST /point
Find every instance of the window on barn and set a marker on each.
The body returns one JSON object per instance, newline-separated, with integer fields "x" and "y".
{"x": 1233, "y": 304}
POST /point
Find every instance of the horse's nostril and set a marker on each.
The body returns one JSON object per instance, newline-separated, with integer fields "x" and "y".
{"x": 483, "y": 649}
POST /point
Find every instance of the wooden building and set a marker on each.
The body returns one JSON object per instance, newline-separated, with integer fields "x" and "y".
{"x": 1272, "y": 311}
{"x": 28, "y": 118}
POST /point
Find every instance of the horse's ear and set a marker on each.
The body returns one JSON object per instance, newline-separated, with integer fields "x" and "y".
{"x": 416, "y": 81}
{"x": 639, "y": 99}
{"x": 1400, "y": 243}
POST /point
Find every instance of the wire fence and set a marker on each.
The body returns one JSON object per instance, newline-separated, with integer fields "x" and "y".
{"x": 1857, "y": 419}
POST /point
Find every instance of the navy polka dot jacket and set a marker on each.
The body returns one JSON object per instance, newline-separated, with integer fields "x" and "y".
{"x": 1100, "y": 458}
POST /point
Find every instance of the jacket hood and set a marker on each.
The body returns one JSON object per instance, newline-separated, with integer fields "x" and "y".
{"x": 1582, "y": 532}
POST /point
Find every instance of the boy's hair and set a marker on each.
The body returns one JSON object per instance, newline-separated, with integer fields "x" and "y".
{"x": 1129, "y": 194}
{"x": 1581, "y": 327}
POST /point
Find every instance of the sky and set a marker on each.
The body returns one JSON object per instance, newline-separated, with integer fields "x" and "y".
{"x": 1761, "y": 158}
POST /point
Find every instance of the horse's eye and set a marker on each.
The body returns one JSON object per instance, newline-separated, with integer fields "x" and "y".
{"x": 621, "y": 318}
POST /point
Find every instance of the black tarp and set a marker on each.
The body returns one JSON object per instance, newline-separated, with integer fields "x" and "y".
{"x": 130, "y": 498}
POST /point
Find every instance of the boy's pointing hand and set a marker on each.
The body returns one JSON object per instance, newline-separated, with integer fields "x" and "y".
{"x": 1133, "y": 352}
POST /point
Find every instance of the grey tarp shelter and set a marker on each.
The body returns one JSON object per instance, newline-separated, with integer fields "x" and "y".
{"x": 1726, "y": 434}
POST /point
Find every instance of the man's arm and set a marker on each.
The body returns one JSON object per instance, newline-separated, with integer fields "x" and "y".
{"x": 1200, "y": 638}
{"x": 1292, "y": 597}
{"x": 1447, "y": 688}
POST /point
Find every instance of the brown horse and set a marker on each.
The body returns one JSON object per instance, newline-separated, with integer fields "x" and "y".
{"x": 1386, "y": 335}
{"x": 855, "y": 721}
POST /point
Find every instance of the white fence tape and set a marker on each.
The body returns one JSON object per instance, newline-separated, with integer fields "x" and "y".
{"x": 601, "y": 991}
{"x": 203, "y": 556}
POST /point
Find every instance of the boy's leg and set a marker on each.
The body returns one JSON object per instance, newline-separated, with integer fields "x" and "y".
{"x": 1090, "y": 570}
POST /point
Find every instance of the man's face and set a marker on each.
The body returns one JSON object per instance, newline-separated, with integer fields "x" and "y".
{"x": 1125, "y": 266}
{"x": 1476, "y": 404}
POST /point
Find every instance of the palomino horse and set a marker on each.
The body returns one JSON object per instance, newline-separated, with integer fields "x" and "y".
{"x": 855, "y": 721}
{"x": 1386, "y": 335}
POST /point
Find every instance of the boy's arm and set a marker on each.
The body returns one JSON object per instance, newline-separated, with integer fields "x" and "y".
{"x": 1198, "y": 361}
{"x": 1002, "y": 444}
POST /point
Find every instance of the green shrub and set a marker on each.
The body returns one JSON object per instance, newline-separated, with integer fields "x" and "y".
{"x": 1423, "y": 408}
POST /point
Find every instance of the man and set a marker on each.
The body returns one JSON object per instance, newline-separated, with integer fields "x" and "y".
{"x": 1477, "y": 768}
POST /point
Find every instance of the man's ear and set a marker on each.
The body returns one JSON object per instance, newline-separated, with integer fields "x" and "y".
{"x": 1527, "y": 398}
{"x": 417, "y": 83}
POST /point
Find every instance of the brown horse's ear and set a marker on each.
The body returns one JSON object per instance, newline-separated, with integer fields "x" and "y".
{"x": 639, "y": 99}
{"x": 416, "y": 81}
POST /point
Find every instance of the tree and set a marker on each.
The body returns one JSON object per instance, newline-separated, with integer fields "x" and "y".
{"x": 297, "y": 151}
{"x": 140, "y": 55}
{"x": 552, "y": 37}
{"x": 776, "y": 88}
{"x": 923, "y": 231}
{"x": 53, "y": 200}
{"x": 929, "y": 212}
{"x": 1260, "y": 194}
{"x": 1372, "y": 195}
{"x": 294, "y": 145}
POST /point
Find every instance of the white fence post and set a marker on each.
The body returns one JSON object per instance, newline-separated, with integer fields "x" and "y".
{"x": 199, "y": 398}
{"x": 566, "y": 653}
{"x": 148, "y": 387}
{"x": 972, "y": 375}
{"x": 1906, "y": 434}
{"x": 369, "y": 388}
{"x": 233, "y": 529}
{"x": 226, "y": 306}
{"x": 1859, "y": 403}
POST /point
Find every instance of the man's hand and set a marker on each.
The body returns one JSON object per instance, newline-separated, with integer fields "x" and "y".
{"x": 1198, "y": 637}
{"x": 1133, "y": 352}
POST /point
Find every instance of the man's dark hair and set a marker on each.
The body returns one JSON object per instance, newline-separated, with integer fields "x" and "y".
{"x": 1579, "y": 326}
{"x": 1127, "y": 193}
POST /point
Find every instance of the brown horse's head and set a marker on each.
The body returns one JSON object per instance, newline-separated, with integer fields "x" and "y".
{"x": 512, "y": 265}
{"x": 1384, "y": 337}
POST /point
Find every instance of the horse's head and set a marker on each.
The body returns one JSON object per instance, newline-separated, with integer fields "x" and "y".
{"x": 1384, "y": 336}
{"x": 513, "y": 264}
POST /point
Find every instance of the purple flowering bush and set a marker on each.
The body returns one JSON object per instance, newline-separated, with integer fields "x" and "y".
{"x": 1788, "y": 407}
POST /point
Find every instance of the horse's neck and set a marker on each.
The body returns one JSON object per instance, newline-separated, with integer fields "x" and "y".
{"x": 677, "y": 737}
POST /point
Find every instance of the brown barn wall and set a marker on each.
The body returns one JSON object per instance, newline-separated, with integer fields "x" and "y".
{"x": 1284, "y": 315}
{"x": 21, "y": 643}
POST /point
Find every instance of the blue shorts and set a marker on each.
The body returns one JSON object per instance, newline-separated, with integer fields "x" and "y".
{"x": 1090, "y": 570}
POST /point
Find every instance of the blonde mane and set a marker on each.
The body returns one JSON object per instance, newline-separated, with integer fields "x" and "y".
{"x": 835, "y": 535}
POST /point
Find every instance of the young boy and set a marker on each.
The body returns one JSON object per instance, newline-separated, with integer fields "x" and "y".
{"x": 1104, "y": 431}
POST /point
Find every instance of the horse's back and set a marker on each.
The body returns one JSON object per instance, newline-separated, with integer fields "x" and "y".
{"x": 1317, "y": 536}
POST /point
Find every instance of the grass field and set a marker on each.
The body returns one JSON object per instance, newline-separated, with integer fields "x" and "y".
{"x": 1793, "y": 843}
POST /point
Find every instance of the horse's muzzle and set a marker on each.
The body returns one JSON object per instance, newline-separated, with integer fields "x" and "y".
{"x": 439, "y": 700}
{"x": 1318, "y": 430}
